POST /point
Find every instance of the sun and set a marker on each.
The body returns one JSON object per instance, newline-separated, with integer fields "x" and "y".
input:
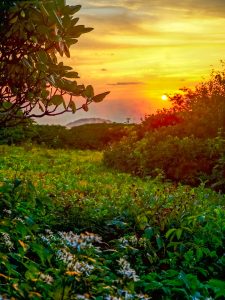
{"x": 164, "y": 97}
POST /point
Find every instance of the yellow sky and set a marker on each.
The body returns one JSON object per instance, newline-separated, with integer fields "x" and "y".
{"x": 141, "y": 49}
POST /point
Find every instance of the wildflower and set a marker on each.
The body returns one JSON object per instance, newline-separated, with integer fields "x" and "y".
{"x": 65, "y": 256}
{"x": 143, "y": 297}
{"x": 45, "y": 239}
{"x": 19, "y": 219}
{"x": 49, "y": 232}
{"x": 46, "y": 278}
{"x": 7, "y": 211}
{"x": 7, "y": 240}
{"x": 73, "y": 264}
{"x": 126, "y": 295}
{"x": 83, "y": 297}
{"x": 84, "y": 240}
{"x": 126, "y": 270}
{"x": 83, "y": 267}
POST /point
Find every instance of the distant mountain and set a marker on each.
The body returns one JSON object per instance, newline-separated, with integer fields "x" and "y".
{"x": 87, "y": 121}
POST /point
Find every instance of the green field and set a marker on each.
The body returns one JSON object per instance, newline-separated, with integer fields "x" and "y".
{"x": 73, "y": 229}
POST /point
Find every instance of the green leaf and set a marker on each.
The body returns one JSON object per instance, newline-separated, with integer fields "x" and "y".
{"x": 72, "y": 106}
{"x": 60, "y": 3}
{"x": 142, "y": 222}
{"x": 169, "y": 232}
{"x": 22, "y": 13}
{"x": 41, "y": 251}
{"x": 159, "y": 242}
{"x": 89, "y": 92}
{"x": 57, "y": 100}
{"x": 74, "y": 9}
{"x": 100, "y": 97}
{"x": 216, "y": 284}
{"x": 149, "y": 232}
{"x": 179, "y": 233}
{"x": 66, "y": 50}
{"x": 13, "y": 20}
{"x": 43, "y": 10}
{"x": 76, "y": 31}
{"x": 72, "y": 75}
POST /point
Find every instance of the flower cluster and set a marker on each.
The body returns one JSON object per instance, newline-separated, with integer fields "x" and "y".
{"x": 83, "y": 297}
{"x": 128, "y": 240}
{"x": 8, "y": 212}
{"x": 46, "y": 278}
{"x": 9, "y": 244}
{"x": 123, "y": 294}
{"x": 126, "y": 270}
{"x": 83, "y": 240}
{"x": 73, "y": 264}
{"x": 48, "y": 237}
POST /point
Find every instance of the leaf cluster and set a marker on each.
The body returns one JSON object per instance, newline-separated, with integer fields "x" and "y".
{"x": 33, "y": 81}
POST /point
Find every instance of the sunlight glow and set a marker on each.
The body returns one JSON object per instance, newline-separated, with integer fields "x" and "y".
{"x": 164, "y": 97}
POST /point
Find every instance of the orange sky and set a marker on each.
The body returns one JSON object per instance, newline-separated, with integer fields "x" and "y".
{"x": 141, "y": 49}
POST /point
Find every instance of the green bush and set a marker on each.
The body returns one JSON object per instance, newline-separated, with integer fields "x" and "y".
{"x": 184, "y": 143}
{"x": 188, "y": 160}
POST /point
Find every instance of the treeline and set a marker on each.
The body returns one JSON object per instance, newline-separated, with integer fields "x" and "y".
{"x": 89, "y": 136}
{"x": 184, "y": 143}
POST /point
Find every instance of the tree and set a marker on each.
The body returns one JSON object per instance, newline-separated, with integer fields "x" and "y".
{"x": 33, "y": 83}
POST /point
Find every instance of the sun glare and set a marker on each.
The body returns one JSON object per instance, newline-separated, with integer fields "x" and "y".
{"x": 164, "y": 97}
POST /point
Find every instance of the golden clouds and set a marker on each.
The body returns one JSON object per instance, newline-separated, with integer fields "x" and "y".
{"x": 162, "y": 44}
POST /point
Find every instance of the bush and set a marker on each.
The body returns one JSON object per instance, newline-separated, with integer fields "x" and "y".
{"x": 188, "y": 160}
{"x": 182, "y": 143}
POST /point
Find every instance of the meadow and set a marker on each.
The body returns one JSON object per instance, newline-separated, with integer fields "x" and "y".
{"x": 71, "y": 228}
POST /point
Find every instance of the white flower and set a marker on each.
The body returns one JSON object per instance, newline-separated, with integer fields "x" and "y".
{"x": 19, "y": 219}
{"x": 82, "y": 267}
{"x": 84, "y": 240}
{"x": 7, "y": 240}
{"x": 9, "y": 212}
{"x": 83, "y": 297}
{"x": 73, "y": 264}
{"x": 46, "y": 278}
{"x": 45, "y": 239}
{"x": 126, "y": 270}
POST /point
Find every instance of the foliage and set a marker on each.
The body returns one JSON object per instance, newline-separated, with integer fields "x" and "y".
{"x": 188, "y": 160}
{"x": 90, "y": 136}
{"x": 33, "y": 81}
{"x": 184, "y": 143}
{"x": 157, "y": 240}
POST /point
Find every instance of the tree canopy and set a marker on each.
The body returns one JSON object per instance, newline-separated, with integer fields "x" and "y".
{"x": 33, "y": 81}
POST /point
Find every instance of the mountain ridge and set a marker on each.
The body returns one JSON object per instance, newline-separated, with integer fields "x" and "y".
{"x": 84, "y": 121}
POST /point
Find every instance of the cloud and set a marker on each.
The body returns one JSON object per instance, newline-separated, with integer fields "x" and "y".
{"x": 153, "y": 7}
{"x": 126, "y": 83}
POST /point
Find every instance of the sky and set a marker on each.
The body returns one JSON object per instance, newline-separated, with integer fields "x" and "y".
{"x": 142, "y": 49}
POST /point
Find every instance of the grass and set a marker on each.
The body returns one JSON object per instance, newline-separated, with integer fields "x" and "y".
{"x": 158, "y": 240}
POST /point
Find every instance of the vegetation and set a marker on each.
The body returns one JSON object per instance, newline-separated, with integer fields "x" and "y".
{"x": 33, "y": 81}
{"x": 69, "y": 227}
{"x": 184, "y": 143}
{"x": 81, "y": 231}
{"x": 89, "y": 136}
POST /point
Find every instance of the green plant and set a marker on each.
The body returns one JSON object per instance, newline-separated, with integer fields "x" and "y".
{"x": 33, "y": 81}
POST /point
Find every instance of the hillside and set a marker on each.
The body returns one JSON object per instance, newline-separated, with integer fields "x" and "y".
{"x": 87, "y": 121}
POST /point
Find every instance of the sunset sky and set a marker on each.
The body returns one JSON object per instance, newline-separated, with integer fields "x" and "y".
{"x": 142, "y": 49}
